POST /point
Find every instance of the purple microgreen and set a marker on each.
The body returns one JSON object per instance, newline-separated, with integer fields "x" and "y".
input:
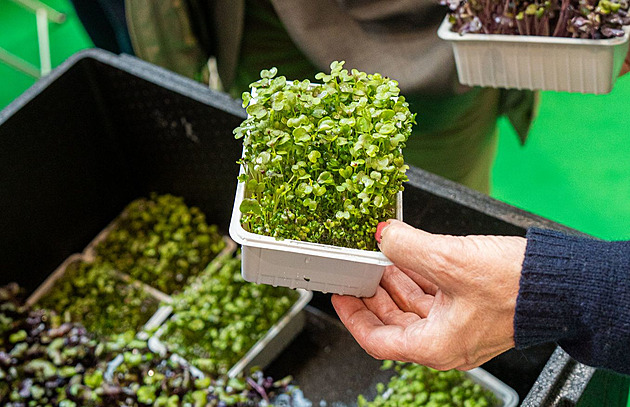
{"x": 591, "y": 19}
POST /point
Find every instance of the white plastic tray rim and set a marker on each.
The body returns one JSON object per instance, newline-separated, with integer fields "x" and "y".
{"x": 156, "y": 323}
{"x": 507, "y": 395}
{"x": 245, "y": 238}
{"x": 445, "y": 33}
{"x": 48, "y": 284}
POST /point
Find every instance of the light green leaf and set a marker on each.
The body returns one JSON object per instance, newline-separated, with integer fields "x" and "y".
{"x": 311, "y": 203}
{"x": 325, "y": 124}
{"x": 363, "y": 125}
{"x": 269, "y": 73}
{"x": 342, "y": 215}
{"x": 372, "y": 150}
{"x": 319, "y": 190}
{"x": 247, "y": 97}
{"x": 301, "y": 135}
{"x": 304, "y": 189}
{"x": 263, "y": 157}
{"x": 257, "y": 110}
{"x": 325, "y": 178}
{"x": 314, "y": 155}
{"x": 387, "y": 128}
{"x": 250, "y": 206}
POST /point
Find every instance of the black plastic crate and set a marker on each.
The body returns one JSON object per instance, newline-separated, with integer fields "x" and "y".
{"x": 102, "y": 130}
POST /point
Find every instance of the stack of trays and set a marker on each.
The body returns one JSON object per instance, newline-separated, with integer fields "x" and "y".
{"x": 270, "y": 344}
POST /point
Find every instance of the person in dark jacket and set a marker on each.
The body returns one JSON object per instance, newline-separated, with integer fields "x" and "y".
{"x": 455, "y": 135}
{"x": 455, "y": 302}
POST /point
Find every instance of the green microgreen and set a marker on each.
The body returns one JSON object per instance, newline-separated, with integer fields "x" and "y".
{"x": 40, "y": 357}
{"x": 323, "y": 163}
{"x": 221, "y": 316}
{"x": 161, "y": 241}
{"x": 47, "y": 362}
{"x": 92, "y": 294}
{"x": 422, "y": 386}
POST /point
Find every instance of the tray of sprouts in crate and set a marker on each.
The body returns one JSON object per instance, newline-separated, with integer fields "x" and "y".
{"x": 225, "y": 325}
{"x": 160, "y": 241}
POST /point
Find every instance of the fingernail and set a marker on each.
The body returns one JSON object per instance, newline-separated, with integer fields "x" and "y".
{"x": 379, "y": 230}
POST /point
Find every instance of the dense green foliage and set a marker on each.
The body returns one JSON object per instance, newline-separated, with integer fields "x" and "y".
{"x": 162, "y": 242}
{"x": 221, "y": 316}
{"x": 323, "y": 163}
{"x": 47, "y": 362}
{"x": 416, "y": 385}
{"x": 49, "y": 358}
{"x": 91, "y": 293}
{"x": 141, "y": 378}
{"x": 40, "y": 357}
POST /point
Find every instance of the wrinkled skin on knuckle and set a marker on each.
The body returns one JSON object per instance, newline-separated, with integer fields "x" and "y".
{"x": 441, "y": 359}
{"x": 375, "y": 347}
{"x": 449, "y": 259}
{"x": 437, "y": 351}
{"x": 392, "y": 236}
{"x": 376, "y": 355}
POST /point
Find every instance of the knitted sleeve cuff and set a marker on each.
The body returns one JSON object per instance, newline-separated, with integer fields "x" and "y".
{"x": 576, "y": 291}
{"x": 544, "y": 311}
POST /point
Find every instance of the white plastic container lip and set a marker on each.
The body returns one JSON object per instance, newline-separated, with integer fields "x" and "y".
{"x": 537, "y": 62}
{"x": 507, "y": 395}
{"x": 245, "y": 238}
{"x": 445, "y": 33}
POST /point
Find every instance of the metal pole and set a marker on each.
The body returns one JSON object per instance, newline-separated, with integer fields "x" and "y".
{"x": 43, "y": 41}
{"x": 34, "y": 5}
{"x": 19, "y": 64}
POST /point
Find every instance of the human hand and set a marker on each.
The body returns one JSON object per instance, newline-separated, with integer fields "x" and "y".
{"x": 448, "y": 303}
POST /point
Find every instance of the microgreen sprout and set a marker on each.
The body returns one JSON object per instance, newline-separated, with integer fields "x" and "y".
{"x": 418, "y": 385}
{"x": 162, "y": 242}
{"x": 221, "y": 316}
{"x": 47, "y": 362}
{"x": 40, "y": 356}
{"x": 323, "y": 163}
{"x": 92, "y": 294}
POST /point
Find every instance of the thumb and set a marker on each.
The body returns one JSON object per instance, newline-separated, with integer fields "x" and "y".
{"x": 419, "y": 251}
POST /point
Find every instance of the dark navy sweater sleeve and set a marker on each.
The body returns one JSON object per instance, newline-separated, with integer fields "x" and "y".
{"x": 576, "y": 292}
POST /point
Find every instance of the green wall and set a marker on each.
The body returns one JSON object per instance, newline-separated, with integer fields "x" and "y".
{"x": 575, "y": 166}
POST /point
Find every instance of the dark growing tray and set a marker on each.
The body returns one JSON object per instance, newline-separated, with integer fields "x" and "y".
{"x": 103, "y": 129}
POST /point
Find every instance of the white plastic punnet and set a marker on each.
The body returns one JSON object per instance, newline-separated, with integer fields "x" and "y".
{"x": 506, "y": 395}
{"x": 311, "y": 266}
{"x": 537, "y": 62}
